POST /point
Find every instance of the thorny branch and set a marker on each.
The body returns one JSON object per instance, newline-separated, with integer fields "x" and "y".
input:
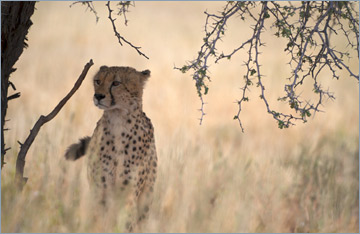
{"x": 89, "y": 5}
{"x": 308, "y": 28}
{"x": 123, "y": 8}
{"x": 117, "y": 34}
{"x": 200, "y": 65}
{"x": 20, "y": 162}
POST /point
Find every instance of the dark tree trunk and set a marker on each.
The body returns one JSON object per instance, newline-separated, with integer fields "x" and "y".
{"x": 15, "y": 23}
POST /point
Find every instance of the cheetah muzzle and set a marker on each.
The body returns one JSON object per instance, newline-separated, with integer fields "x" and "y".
{"x": 121, "y": 152}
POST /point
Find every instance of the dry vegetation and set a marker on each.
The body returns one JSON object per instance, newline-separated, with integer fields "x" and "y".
{"x": 212, "y": 178}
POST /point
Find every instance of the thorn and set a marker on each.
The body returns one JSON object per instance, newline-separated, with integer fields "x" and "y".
{"x": 21, "y": 144}
{"x": 7, "y": 149}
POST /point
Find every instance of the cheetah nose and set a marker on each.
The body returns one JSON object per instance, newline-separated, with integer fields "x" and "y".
{"x": 99, "y": 96}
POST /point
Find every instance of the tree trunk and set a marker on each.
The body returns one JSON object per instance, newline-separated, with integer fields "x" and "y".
{"x": 15, "y": 24}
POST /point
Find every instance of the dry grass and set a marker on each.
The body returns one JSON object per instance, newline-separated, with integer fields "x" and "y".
{"x": 211, "y": 178}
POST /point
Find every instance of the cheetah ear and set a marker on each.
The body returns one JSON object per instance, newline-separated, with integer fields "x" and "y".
{"x": 145, "y": 74}
{"x": 103, "y": 67}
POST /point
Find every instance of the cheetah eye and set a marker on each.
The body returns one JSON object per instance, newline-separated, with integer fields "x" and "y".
{"x": 97, "y": 82}
{"x": 116, "y": 83}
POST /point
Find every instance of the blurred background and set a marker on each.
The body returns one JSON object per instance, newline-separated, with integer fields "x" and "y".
{"x": 211, "y": 178}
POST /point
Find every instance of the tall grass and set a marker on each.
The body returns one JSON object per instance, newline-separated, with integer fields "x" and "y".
{"x": 211, "y": 178}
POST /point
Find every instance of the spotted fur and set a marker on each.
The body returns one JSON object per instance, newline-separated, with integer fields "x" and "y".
{"x": 121, "y": 153}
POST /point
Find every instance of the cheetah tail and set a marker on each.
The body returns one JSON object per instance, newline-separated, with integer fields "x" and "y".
{"x": 77, "y": 150}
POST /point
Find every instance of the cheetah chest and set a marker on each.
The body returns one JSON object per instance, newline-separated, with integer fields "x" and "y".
{"x": 121, "y": 154}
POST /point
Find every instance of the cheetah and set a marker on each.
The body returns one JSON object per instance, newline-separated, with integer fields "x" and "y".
{"x": 121, "y": 153}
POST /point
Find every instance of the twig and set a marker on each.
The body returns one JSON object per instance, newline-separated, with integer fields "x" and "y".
{"x": 12, "y": 85}
{"x": 214, "y": 32}
{"x": 117, "y": 34}
{"x": 89, "y": 5}
{"x": 124, "y": 8}
{"x": 20, "y": 162}
{"x": 16, "y": 95}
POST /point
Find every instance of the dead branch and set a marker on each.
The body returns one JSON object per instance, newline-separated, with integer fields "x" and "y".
{"x": 20, "y": 162}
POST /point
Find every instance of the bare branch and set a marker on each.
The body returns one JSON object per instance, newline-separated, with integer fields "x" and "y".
{"x": 20, "y": 162}
{"x": 124, "y": 8}
{"x": 200, "y": 65}
{"x": 89, "y": 5}
{"x": 117, "y": 34}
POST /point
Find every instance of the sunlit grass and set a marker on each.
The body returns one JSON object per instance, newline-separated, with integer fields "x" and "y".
{"x": 312, "y": 188}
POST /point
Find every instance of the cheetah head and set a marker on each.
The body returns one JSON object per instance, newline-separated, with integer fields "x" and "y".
{"x": 119, "y": 88}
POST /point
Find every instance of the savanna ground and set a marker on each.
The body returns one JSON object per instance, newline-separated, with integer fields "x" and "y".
{"x": 211, "y": 178}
